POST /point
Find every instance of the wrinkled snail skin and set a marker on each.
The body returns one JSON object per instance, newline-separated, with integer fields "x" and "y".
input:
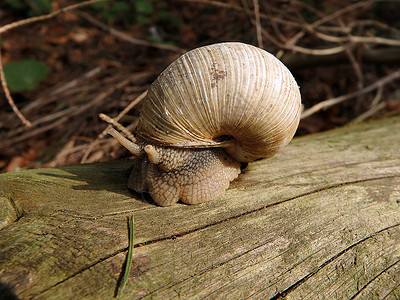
{"x": 212, "y": 108}
{"x": 190, "y": 175}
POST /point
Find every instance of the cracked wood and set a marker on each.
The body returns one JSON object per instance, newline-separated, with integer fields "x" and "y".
{"x": 319, "y": 220}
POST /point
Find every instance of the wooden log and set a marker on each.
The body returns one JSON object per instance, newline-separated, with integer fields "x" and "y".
{"x": 319, "y": 220}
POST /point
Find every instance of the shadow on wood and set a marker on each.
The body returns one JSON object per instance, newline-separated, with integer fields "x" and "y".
{"x": 319, "y": 220}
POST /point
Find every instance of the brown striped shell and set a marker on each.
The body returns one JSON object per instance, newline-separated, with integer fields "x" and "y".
{"x": 229, "y": 95}
{"x": 212, "y": 108}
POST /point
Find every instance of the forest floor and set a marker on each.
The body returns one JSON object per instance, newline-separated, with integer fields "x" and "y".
{"x": 345, "y": 56}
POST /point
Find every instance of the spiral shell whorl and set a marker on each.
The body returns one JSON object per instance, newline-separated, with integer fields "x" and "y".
{"x": 230, "y": 90}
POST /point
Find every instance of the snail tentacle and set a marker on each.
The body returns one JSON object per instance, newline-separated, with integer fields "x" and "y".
{"x": 131, "y": 146}
{"x": 213, "y": 108}
{"x": 152, "y": 154}
{"x": 190, "y": 175}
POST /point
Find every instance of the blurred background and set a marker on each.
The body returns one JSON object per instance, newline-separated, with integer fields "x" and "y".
{"x": 65, "y": 70}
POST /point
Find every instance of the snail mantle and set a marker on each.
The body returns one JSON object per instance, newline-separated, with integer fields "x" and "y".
{"x": 211, "y": 109}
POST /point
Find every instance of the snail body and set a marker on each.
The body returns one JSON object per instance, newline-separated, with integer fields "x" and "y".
{"x": 212, "y": 108}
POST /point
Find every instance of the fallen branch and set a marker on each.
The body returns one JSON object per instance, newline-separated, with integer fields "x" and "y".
{"x": 128, "y": 38}
{"x": 72, "y": 112}
{"x": 330, "y": 102}
{"x": 46, "y": 17}
{"x": 7, "y": 27}
{"x": 357, "y": 39}
{"x": 367, "y": 55}
{"x": 258, "y": 24}
{"x": 328, "y": 51}
{"x": 369, "y": 112}
{"x": 10, "y": 100}
{"x": 114, "y": 122}
{"x": 319, "y": 22}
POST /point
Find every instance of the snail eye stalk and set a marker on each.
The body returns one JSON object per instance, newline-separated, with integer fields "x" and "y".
{"x": 131, "y": 146}
{"x": 209, "y": 113}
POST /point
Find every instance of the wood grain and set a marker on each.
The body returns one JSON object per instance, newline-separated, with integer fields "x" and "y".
{"x": 319, "y": 220}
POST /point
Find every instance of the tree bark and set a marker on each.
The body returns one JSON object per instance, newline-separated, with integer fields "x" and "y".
{"x": 319, "y": 220}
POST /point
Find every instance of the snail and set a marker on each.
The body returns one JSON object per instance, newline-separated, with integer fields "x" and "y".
{"x": 210, "y": 110}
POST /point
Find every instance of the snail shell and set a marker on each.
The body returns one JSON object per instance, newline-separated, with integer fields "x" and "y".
{"x": 229, "y": 96}
{"x": 223, "y": 91}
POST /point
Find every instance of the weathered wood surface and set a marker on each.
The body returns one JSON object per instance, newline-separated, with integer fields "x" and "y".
{"x": 320, "y": 220}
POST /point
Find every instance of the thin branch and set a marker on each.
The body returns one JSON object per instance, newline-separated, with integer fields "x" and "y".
{"x": 244, "y": 9}
{"x": 73, "y": 112}
{"x": 128, "y": 38}
{"x": 321, "y": 21}
{"x": 258, "y": 24}
{"x": 340, "y": 12}
{"x": 7, "y": 27}
{"x": 45, "y": 17}
{"x": 114, "y": 121}
{"x": 294, "y": 48}
{"x": 370, "y": 22}
{"x": 10, "y": 100}
{"x": 356, "y": 39}
{"x": 131, "y": 105}
{"x": 70, "y": 92}
{"x": 374, "y": 40}
{"x": 378, "y": 97}
{"x": 32, "y": 133}
{"x": 270, "y": 38}
{"x": 369, "y": 112}
{"x": 76, "y": 81}
{"x": 330, "y": 102}
{"x": 356, "y": 65}
{"x": 389, "y": 56}
{"x": 328, "y": 51}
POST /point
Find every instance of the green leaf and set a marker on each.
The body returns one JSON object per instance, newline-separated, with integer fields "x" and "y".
{"x": 144, "y": 7}
{"x": 141, "y": 19}
{"x": 40, "y": 7}
{"x": 121, "y": 6}
{"x": 98, "y": 5}
{"x": 25, "y": 74}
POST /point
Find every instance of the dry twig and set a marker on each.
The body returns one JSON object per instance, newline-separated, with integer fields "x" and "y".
{"x": 369, "y": 112}
{"x": 374, "y": 107}
{"x": 7, "y": 27}
{"x": 10, "y": 100}
{"x": 330, "y": 102}
{"x": 258, "y": 24}
{"x": 114, "y": 122}
{"x": 74, "y": 111}
{"x": 48, "y": 16}
{"x": 279, "y": 27}
{"x": 336, "y": 14}
{"x": 128, "y": 38}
